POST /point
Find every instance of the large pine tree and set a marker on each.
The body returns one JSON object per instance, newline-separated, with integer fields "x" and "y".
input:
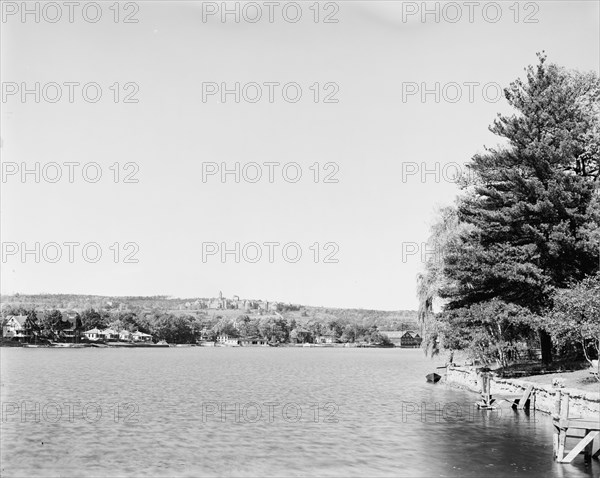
{"x": 528, "y": 202}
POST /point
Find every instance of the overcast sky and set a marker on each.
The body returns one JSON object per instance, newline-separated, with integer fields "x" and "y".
{"x": 173, "y": 134}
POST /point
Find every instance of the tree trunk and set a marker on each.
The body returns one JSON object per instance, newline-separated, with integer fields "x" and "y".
{"x": 546, "y": 346}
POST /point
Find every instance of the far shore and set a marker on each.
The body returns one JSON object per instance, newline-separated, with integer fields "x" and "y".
{"x": 60, "y": 345}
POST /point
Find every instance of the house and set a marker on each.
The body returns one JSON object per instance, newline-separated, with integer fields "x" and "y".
{"x": 110, "y": 334}
{"x": 125, "y": 336}
{"x": 225, "y": 339}
{"x": 252, "y": 341}
{"x": 215, "y": 304}
{"x": 403, "y": 338}
{"x": 263, "y": 305}
{"x": 141, "y": 337}
{"x": 71, "y": 329}
{"x": 326, "y": 339}
{"x": 19, "y": 327}
{"x": 93, "y": 334}
{"x": 220, "y": 303}
{"x": 206, "y": 335}
{"x": 417, "y": 338}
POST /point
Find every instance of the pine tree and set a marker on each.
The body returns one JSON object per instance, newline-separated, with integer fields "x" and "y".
{"x": 528, "y": 201}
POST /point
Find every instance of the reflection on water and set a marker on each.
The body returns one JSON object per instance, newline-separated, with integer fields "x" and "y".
{"x": 256, "y": 411}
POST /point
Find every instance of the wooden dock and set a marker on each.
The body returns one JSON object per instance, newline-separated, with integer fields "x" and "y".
{"x": 586, "y": 430}
{"x": 489, "y": 402}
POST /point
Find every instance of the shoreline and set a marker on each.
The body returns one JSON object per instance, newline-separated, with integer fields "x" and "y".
{"x": 582, "y": 402}
{"x": 59, "y": 345}
{"x": 167, "y": 346}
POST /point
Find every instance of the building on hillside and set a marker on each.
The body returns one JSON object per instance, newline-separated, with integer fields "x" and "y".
{"x": 198, "y": 304}
{"x": 263, "y": 305}
{"x": 403, "y": 338}
{"x": 216, "y": 304}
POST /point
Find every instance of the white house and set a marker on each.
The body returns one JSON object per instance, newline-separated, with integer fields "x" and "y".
{"x": 326, "y": 339}
{"x": 125, "y": 335}
{"x": 106, "y": 334}
{"x": 93, "y": 334}
{"x": 141, "y": 337}
{"x": 227, "y": 340}
{"x": 110, "y": 334}
{"x": 17, "y": 326}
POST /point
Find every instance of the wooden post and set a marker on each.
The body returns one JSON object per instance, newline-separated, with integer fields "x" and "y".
{"x": 587, "y": 455}
{"x": 485, "y": 391}
{"x": 562, "y": 425}
{"x": 557, "y": 403}
{"x": 526, "y": 396}
{"x": 555, "y": 417}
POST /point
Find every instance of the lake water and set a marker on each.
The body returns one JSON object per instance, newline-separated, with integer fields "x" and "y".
{"x": 286, "y": 412}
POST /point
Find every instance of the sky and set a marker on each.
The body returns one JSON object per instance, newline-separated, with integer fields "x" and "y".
{"x": 351, "y": 236}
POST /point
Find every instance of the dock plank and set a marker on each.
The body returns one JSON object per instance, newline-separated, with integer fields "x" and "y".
{"x": 586, "y": 423}
{"x": 524, "y": 398}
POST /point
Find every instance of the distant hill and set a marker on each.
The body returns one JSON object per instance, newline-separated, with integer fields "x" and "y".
{"x": 384, "y": 320}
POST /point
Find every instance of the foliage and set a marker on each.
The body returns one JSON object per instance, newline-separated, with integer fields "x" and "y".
{"x": 528, "y": 204}
{"x": 526, "y": 222}
{"x": 91, "y": 319}
{"x": 445, "y": 235}
{"x": 575, "y": 317}
{"x": 171, "y": 320}
{"x": 51, "y": 322}
{"x": 490, "y": 330}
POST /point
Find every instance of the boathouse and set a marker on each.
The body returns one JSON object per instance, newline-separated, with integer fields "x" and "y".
{"x": 403, "y": 338}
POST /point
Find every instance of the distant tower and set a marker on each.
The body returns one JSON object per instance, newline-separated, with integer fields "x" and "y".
{"x": 220, "y": 295}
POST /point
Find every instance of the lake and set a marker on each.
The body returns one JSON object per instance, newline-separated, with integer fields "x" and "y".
{"x": 257, "y": 412}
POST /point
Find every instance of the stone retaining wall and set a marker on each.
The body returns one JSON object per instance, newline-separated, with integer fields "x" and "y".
{"x": 581, "y": 403}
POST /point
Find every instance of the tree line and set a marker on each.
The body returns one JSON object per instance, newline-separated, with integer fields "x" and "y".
{"x": 191, "y": 328}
